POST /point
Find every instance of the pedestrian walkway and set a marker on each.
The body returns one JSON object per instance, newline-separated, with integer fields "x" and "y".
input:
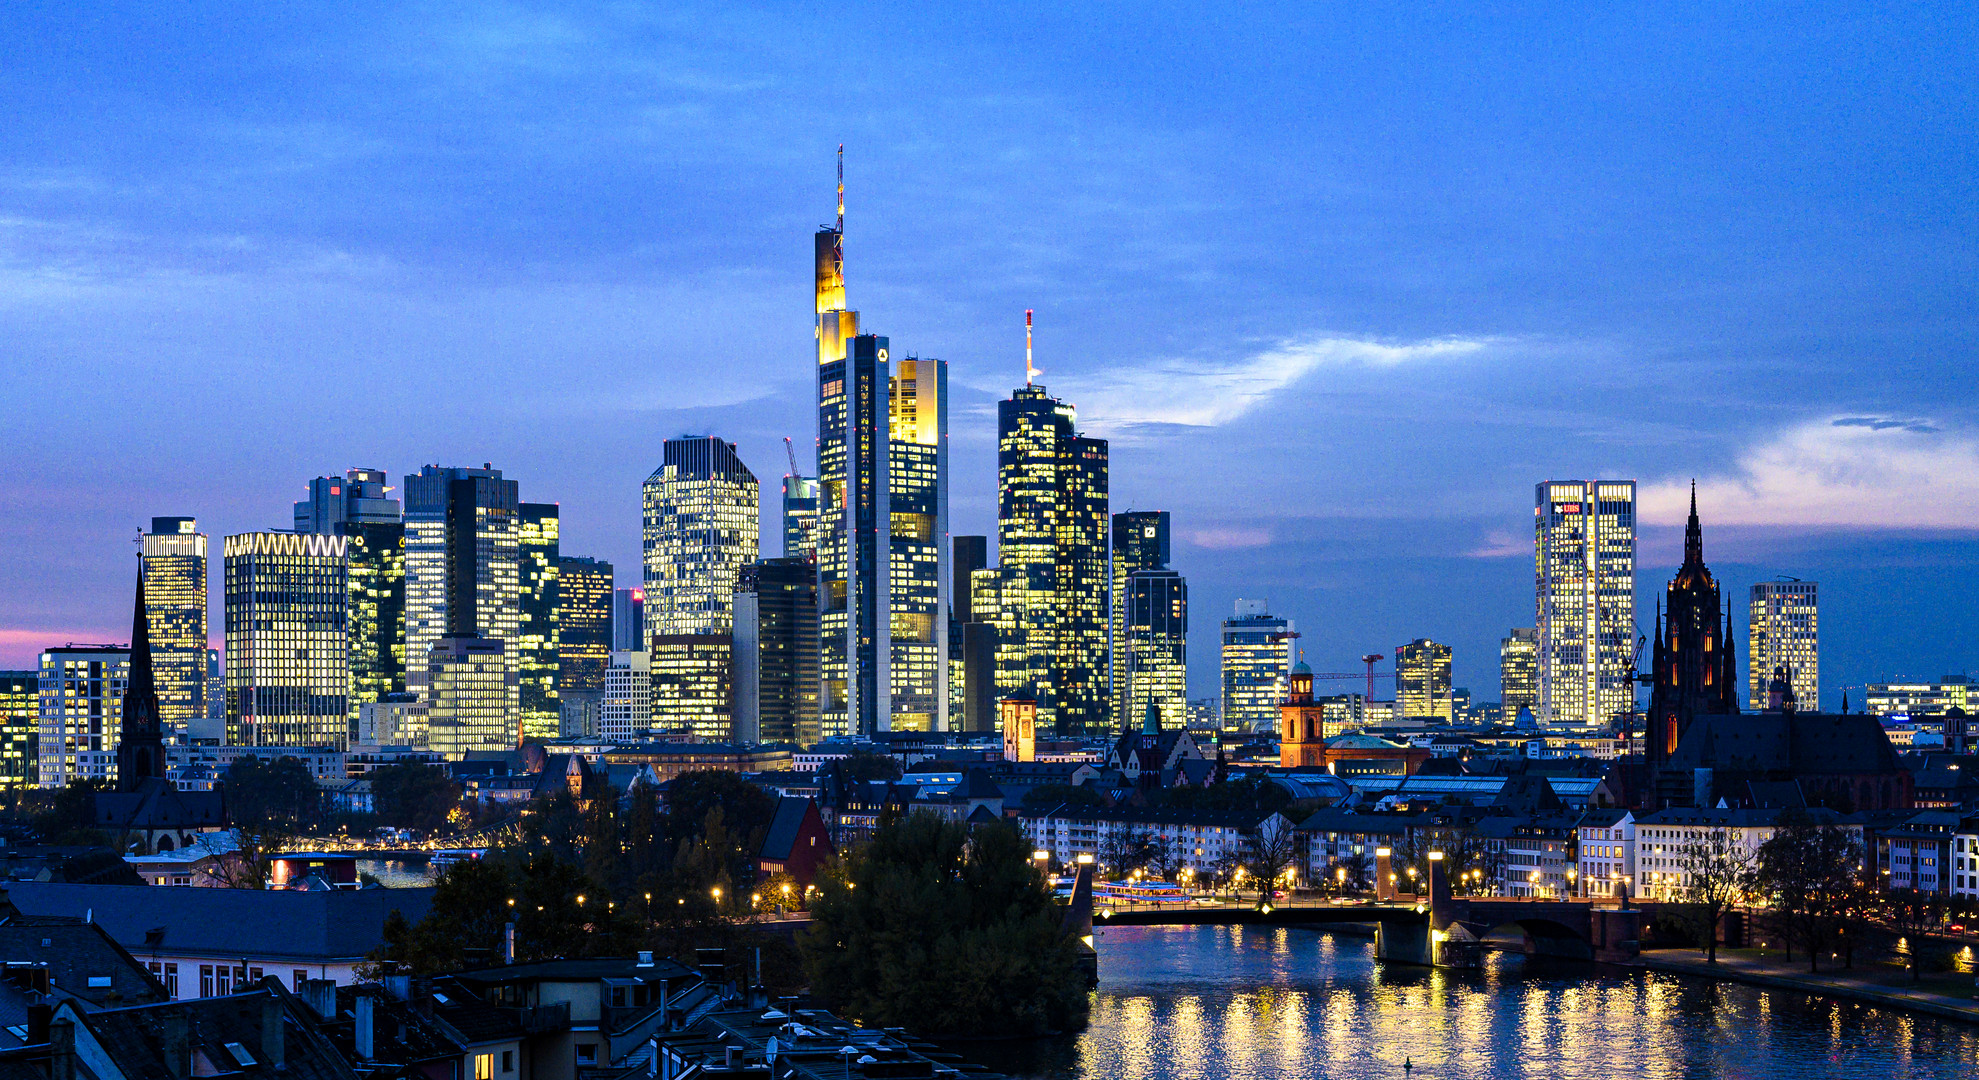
{"x": 1937, "y": 995}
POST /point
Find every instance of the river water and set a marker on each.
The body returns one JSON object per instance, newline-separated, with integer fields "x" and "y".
{"x": 1236, "y": 1003}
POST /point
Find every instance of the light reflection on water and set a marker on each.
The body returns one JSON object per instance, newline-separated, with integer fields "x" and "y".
{"x": 398, "y": 873}
{"x": 1236, "y": 1003}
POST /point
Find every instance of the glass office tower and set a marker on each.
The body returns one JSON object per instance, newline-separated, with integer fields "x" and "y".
{"x": 1518, "y": 673}
{"x": 1422, "y": 681}
{"x": 175, "y": 616}
{"x": 358, "y": 507}
{"x": 463, "y": 569}
{"x": 776, "y": 653}
{"x": 1584, "y": 585}
{"x": 20, "y": 728}
{"x": 288, "y": 643}
{"x": 536, "y": 649}
{"x": 1783, "y": 631}
{"x": 1140, "y": 542}
{"x": 702, "y": 524}
{"x": 1257, "y": 659}
{"x": 584, "y": 623}
{"x": 1157, "y": 638}
{"x": 800, "y": 517}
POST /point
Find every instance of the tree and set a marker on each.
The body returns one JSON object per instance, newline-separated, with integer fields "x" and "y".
{"x": 1805, "y": 871}
{"x": 464, "y": 927}
{"x": 1717, "y": 876}
{"x": 865, "y": 766}
{"x": 414, "y": 795}
{"x": 1267, "y": 854}
{"x": 747, "y": 811}
{"x": 280, "y": 795}
{"x": 1125, "y": 851}
{"x": 1081, "y": 796}
{"x": 1912, "y": 914}
{"x": 945, "y": 931}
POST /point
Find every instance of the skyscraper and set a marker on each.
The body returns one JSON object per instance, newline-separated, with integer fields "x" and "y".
{"x": 1157, "y": 636}
{"x": 356, "y": 507}
{"x": 1257, "y": 656}
{"x": 20, "y": 728}
{"x": 288, "y": 643}
{"x": 1051, "y": 582}
{"x": 1140, "y": 542}
{"x": 629, "y": 620}
{"x": 537, "y": 657}
{"x": 1584, "y": 554}
{"x": 883, "y": 519}
{"x": 584, "y": 624}
{"x": 470, "y": 696}
{"x": 1518, "y": 673}
{"x": 800, "y": 517}
{"x": 972, "y": 687}
{"x": 462, "y": 570}
{"x": 82, "y": 711}
{"x": 701, "y": 529}
{"x": 1783, "y": 631}
{"x": 1422, "y": 681}
{"x": 175, "y": 608}
{"x": 776, "y": 652}
{"x": 626, "y": 706}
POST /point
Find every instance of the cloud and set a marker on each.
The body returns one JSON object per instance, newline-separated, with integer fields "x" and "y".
{"x": 1851, "y": 471}
{"x": 1229, "y": 537}
{"x": 1188, "y": 394}
{"x": 1499, "y": 544}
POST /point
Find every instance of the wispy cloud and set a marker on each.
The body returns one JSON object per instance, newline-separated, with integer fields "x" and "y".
{"x": 1229, "y": 537}
{"x": 1850, "y": 471}
{"x": 1499, "y": 544}
{"x": 1188, "y": 394}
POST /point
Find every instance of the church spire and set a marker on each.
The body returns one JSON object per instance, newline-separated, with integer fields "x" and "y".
{"x": 1693, "y": 533}
{"x": 140, "y": 686}
{"x": 141, "y": 743}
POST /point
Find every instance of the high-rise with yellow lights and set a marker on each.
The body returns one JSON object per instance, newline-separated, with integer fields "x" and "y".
{"x": 1783, "y": 631}
{"x": 1422, "y": 681}
{"x": 288, "y": 639}
{"x": 1050, "y": 583}
{"x": 175, "y": 613}
{"x": 1584, "y": 586}
{"x": 702, "y": 524}
{"x": 882, "y": 519}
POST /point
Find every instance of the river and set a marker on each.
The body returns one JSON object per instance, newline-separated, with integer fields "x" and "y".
{"x": 1236, "y": 1003}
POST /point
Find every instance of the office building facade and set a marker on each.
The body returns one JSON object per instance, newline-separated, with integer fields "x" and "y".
{"x": 20, "y": 729}
{"x": 470, "y": 696}
{"x": 882, "y": 521}
{"x": 1584, "y": 586}
{"x": 701, "y": 529}
{"x": 538, "y": 658}
{"x": 1518, "y": 673}
{"x": 629, "y": 620}
{"x": 1157, "y": 638}
{"x": 1783, "y": 630}
{"x": 463, "y": 570}
{"x": 626, "y": 708}
{"x": 1140, "y": 542}
{"x": 584, "y": 624}
{"x": 81, "y": 688}
{"x": 358, "y": 507}
{"x": 174, "y": 561}
{"x": 800, "y": 517}
{"x": 288, "y": 640}
{"x": 1422, "y": 681}
{"x": 972, "y": 687}
{"x": 1051, "y": 583}
{"x": 776, "y": 652}
{"x": 1257, "y": 659}
{"x": 358, "y": 497}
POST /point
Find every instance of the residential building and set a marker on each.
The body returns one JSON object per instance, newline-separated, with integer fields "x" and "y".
{"x": 174, "y": 562}
{"x": 1518, "y": 673}
{"x": 1422, "y": 681}
{"x": 701, "y": 508}
{"x": 629, "y": 620}
{"x": 1156, "y": 643}
{"x": 1140, "y": 542}
{"x": 776, "y": 652}
{"x": 1538, "y": 856}
{"x": 1666, "y": 839}
{"x": 20, "y": 729}
{"x": 882, "y": 521}
{"x": 1607, "y": 852}
{"x": 1783, "y": 630}
{"x": 357, "y": 507}
{"x": 1051, "y": 577}
{"x": 537, "y": 646}
{"x": 800, "y": 518}
{"x": 584, "y": 624}
{"x": 463, "y": 568}
{"x": 288, "y": 640}
{"x": 469, "y": 683}
{"x": 627, "y": 705}
{"x": 1584, "y": 540}
{"x": 1257, "y": 659}
{"x": 1965, "y": 858}
{"x": 1920, "y": 853}
{"x": 1200, "y": 844}
{"x": 81, "y": 688}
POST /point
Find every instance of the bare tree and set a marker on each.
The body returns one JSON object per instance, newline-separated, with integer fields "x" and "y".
{"x": 1268, "y": 851}
{"x": 1717, "y": 877}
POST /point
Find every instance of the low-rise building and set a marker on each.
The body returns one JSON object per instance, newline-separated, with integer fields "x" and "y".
{"x": 1918, "y": 854}
{"x": 1965, "y": 857}
{"x": 1205, "y": 843}
{"x": 1667, "y": 839}
{"x": 1606, "y": 852}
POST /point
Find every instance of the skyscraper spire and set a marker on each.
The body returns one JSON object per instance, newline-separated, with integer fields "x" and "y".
{"x": 141, "y": 743}
{"x": 1693, "y": 533}
{"x": 140, "y": 687}
{"x": 841, "y": 189}
{"x": 1030, "y": 370}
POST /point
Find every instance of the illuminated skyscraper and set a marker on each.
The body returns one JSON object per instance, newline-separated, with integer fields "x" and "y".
{"x": 536, "y": 640}
{"x": 1257, "y": 656}
{"x": 288, "y": 644}
{"x": 1783, "y": 631}
{"x": 356, "y": 506}
{"x": 883, "y": 520}
{"x": 1051, "y": 584}
{"x": 584, "y": 624}
{"x": 702, "y": 527}
{"x": 776, "y": 652}
{"x": 462, "y": 569}
{"x": 1518, "y": 673}
{"x": 972, "y": 689}
{"x": 20, "y": 728}
{"x": 1584, "y": 549}
{"x": 82, "y": 713}
{"x": 175, "y": 609}
{"x": 1140, "y": 542}
{"x": 626, "y": 707}
{"x": 629, "y": 620}
{"x": 1157, "y": 638}
{"x": 470, "y": 696}
{"x": 800, "y": 517}
{"x": 1422, "y": 681}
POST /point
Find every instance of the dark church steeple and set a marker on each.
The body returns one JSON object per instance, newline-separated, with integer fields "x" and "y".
{"x": 1696, "y": 671}
{"x": 141, "y": 747}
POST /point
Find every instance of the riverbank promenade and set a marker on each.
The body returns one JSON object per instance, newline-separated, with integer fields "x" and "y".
{"x": 1943, "y": 994}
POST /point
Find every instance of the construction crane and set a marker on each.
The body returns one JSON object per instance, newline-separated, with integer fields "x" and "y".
{"x": 791, "y": 452}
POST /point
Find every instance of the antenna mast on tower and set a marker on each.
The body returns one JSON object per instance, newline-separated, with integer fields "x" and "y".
{"x": 1030, "y": 372}
{"x": 841, "y": 188}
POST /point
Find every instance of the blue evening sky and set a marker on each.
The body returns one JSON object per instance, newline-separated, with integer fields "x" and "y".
{"x": 1341, "y": 282}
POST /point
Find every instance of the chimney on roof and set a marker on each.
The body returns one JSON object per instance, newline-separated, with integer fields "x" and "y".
{"x": 62, "y": 1050}
{"x": 37, "y": 1023}
{"x": 176, "y": 1035}
{"x": 321, "y": 994}
{"x": 362, "y": 1040}
{"x": 274, "y": 1033}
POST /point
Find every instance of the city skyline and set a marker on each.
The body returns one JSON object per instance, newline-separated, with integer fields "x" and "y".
{"x": 1426, "y": 380}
